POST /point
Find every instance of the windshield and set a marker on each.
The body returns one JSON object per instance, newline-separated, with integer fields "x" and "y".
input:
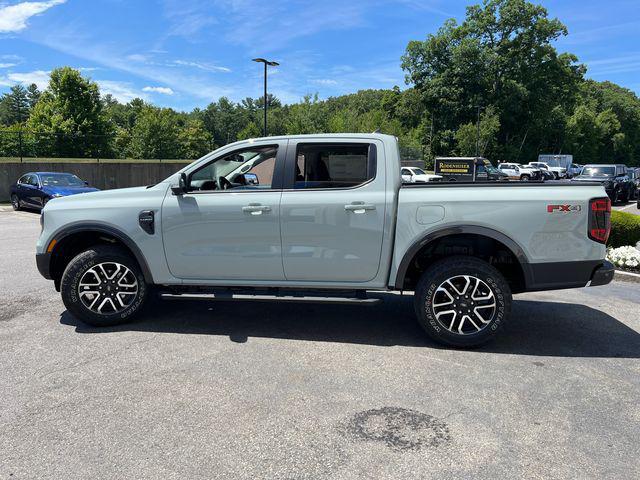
{"x": 61, "y": 180}
{"x": 418, "y": 171}
{"x": 598, "y": 172}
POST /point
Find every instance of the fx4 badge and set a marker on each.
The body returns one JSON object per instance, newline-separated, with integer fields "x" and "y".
{"x": 563, "y": 208}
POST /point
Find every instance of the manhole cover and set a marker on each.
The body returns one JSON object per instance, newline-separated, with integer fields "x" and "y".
{"x": 399, "y": 428}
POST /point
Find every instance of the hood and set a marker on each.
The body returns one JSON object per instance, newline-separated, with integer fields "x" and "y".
{"x": 601, "y": 179}
{"x": 426, "y": 176}
{"x": 65, "y": 191}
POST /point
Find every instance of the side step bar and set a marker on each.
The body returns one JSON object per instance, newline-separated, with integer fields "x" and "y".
{"x": 230, "y": 296}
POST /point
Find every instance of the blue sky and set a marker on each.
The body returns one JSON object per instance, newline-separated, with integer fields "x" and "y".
{"x": 186, "y": 53}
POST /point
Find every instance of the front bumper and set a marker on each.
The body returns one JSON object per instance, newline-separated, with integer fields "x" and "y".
{"x": 43, "y": 261}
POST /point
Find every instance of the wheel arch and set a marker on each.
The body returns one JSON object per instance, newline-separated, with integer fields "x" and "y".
{"x": 424, "y": 242}
{"x": 72, "y": 239}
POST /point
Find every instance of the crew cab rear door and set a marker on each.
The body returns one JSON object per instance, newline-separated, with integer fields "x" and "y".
{"x": 332, "y": 210}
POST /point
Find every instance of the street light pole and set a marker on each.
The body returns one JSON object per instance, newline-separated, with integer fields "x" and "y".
{"x": 267, "y": 63}
{"x": 478, "y": 134}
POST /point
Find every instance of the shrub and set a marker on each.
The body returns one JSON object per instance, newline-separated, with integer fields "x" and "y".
{"x": 625, "y": 229}
{"x": 627, "y": 258}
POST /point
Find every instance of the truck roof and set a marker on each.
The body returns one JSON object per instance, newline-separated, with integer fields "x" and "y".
{"x": 371, "y": 136}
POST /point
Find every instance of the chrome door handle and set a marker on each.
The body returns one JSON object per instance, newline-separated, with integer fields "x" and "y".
{"x": 256, "y": 209}
{"x": 359, "y": 207}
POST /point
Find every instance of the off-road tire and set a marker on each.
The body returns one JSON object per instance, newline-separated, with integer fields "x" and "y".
{"x": 455, "y": 267}
{"x": 83, "y": 262}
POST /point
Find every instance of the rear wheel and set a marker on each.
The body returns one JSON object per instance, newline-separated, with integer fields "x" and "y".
{"x": 103, "y": 286}
{"x": 15, "y": 202}
{"x": 462, "y": 301}
{"x": 525, "y": 178}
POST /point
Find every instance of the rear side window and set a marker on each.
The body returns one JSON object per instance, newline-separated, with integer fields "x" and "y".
{"x": 334, "y": 166}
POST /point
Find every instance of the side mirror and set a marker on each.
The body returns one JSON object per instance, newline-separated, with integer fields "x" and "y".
{"x": 251, "y": 179}
{"x": 182, "y": 186}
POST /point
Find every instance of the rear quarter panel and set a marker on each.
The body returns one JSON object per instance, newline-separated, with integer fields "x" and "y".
{"x": 519, "y": 212}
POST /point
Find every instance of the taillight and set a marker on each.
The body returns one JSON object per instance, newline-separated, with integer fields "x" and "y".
{"x": 599, "y": 219}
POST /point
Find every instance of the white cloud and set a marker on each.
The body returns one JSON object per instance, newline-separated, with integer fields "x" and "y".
{"x": 121, "y": 91}
{"x": 13, "y": 18}
{"x": 7, "y": 65}
{"x": 325, "y": 81}
{"x": 162, "y": 90}
{"x": 201, "y": 66}
{"x": 39, "y": 77}
{"x": 137, "y": 57}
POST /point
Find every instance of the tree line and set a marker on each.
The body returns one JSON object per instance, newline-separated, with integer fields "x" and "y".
{"x": 493, "y": 84}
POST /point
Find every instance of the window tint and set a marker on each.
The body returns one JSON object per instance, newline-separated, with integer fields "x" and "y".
{"x": 248, "y": 169}
{"x": 334, "y": 166}
{"x": 23, "y": 179}
{"x": 405, "y": 172}
{"x": 32, "y": 180}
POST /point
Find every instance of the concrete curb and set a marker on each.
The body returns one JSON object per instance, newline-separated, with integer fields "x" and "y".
{"x": 629, "y": 277}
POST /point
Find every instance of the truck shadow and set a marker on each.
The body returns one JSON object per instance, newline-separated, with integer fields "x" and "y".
{"x": 538, "y": 328}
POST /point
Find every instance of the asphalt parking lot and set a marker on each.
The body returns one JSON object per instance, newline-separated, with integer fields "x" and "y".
{"x": 246, "y": 390}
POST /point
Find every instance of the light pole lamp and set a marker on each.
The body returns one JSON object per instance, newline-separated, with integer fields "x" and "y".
{"x": 267, "y": 63}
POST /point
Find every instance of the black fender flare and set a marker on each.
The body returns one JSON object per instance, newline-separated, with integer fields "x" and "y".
{"x": 67, "y": 231}
{"x": 512, "y": 245}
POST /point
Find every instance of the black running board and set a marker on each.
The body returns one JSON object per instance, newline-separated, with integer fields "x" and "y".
{"x": 271, "y": 298}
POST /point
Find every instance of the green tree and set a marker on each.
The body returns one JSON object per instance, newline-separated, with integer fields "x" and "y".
{"x": 501, "y": 56}
{"x": 68, "y": 119}
{"x": 194, "y": 140}
{"x": 33, "y": 95}
{"x": 470, "y": 142}
{"x": 155, "y": 134}
{"x": 14, "y": 106}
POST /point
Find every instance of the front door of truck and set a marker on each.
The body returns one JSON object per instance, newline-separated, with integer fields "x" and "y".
{"x": 227, "y": 226}
{"x": 333, "y": 210}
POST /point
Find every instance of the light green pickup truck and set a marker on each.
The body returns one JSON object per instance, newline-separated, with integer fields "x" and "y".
{"x": 324, "y": 218}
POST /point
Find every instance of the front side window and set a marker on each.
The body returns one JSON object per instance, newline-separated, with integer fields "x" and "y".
{"x": 333, "y": 166}
{"x": 32, "y": 180}
{"x": 405, "y": 172}
{"x": 247, "y": 169}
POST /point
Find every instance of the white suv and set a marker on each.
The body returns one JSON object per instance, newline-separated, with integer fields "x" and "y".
{"x": 515, "y": 171}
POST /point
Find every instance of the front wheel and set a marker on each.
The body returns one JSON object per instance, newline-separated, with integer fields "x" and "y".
{"x": 103, "y": 286}
{"x": 462, "y": 301}
{"x": 525, "y": 178}
{"x": 15, "y": 202}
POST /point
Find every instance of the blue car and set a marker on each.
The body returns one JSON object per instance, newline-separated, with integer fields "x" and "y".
{"x": 35, "y": 189}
